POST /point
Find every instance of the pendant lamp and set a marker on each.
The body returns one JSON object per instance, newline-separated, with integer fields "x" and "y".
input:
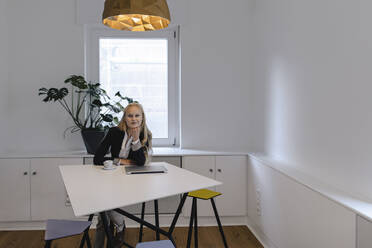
{"x": 136, "y": 15}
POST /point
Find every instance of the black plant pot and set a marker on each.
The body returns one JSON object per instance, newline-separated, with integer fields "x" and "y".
{"x": 92, "y": 139}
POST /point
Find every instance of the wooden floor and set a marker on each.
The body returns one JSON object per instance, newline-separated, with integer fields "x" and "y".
{"x": 209, "y": 237}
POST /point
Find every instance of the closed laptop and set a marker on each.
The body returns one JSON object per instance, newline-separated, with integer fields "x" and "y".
{"x": 145, "y": 169}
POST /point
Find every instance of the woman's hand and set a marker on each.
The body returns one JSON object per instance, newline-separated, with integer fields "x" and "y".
{"x": 134, "y": 133}
{"x": 127, "y": 162}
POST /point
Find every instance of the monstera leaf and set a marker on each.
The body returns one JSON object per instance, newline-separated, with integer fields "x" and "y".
{"x": 53, "y": 94}
{"x": 130, "y": 100}
{"x": 112, "y": 108}
{"x": 97, "y": 103}
{"x": 107, "y": 117}
{"x": 77, "y": 81}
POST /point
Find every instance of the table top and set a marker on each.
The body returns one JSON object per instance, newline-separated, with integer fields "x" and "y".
{"x": 92, "y": 189}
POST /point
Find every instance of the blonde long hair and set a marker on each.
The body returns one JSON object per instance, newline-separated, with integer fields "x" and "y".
{"x": 145, "y": 133}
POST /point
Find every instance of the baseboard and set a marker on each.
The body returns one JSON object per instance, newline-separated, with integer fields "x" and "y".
{"x": 257, "y": 232}
{"x": 164, "y": 221}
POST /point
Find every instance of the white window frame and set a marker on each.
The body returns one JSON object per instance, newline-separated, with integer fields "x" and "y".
{"x": 92, "y": 34}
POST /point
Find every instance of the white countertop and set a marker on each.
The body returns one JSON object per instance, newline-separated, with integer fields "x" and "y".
{"x": 157, "y": 151}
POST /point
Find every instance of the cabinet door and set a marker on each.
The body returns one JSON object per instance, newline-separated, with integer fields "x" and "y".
{"x": 205, "y": 166}
{"x": 48, "y": 193}
{"x": 14, "y": 190}
{"x": 364, "y": 233}
{"x": 166, "y": 205}
{"x": 232, "y": 172}
{"x": 88, "y": 160}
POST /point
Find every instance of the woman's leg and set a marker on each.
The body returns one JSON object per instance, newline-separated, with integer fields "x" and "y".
{"x": 118, "y": 220}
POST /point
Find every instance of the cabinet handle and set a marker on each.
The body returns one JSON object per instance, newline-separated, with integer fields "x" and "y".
{"x": 219, "y": 170}
{"x": 34, "y": 173}
{"x": 210, "y": 170}
{"x": 25, "y": 173}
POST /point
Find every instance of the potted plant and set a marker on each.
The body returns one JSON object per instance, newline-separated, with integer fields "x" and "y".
{"x": 88, "y": 96}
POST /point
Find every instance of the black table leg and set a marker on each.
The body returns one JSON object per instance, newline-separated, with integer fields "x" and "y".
{"x": 86, "y": 235}
{"x": 156, "y": 228}
{"x": 157, "y": 219}
{"x": 178, "y": 212}
{"x": 145, "y": 223}
{"x": 141, "y": 224}
{"x": 107, "y": 229}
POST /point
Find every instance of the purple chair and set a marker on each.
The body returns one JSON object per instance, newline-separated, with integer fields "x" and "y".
{"x": 156, "y": 244}
{"x": 57, "y": 229}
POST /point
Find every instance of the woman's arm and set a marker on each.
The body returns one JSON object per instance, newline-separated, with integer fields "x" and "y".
{"x": 103, "y": 148}
{"x": 138, "y": 153}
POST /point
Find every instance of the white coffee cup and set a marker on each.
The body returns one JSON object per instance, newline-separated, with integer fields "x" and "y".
{"x": 108, "y": 164}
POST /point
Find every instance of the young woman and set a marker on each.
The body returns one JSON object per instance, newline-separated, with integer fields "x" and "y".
{"x": 130, "y": 142}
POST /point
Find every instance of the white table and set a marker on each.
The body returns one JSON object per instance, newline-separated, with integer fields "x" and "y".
{"x": 94, "y": 190}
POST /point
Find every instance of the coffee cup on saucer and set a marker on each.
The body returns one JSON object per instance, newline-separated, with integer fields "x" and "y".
{"x": 108, "y": 165}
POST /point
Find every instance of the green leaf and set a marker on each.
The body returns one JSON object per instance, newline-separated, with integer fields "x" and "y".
{"x": 107, "y": 117}
{"x": 97, "y": 103}
{"x": 116, "y": 120}
{"x": 77, "y": 81}
{"x": 120, "y": 106}
{"x": 53, "y": 94}
{"x": 62, "y": 93}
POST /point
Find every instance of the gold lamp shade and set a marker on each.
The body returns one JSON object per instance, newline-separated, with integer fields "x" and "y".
{"x": 136, "y": 15}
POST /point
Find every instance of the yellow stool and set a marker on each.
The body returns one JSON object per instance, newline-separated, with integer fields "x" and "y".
{"x": 204, "y": 194}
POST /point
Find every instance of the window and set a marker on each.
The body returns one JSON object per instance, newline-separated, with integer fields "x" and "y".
{"x": 143, "y": 66}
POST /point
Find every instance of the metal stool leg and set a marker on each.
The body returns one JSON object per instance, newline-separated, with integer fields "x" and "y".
{"x": 190, "y": 225}
{"x": 172, "y": 240}
{"x": 86, "y": 235}
{"x": 141, "y": 225}
{"x": 157, "y": 218}
{"x": 48, "y": 244}
{"x": 195, "y": 223}
{"x": 219, "y": 222}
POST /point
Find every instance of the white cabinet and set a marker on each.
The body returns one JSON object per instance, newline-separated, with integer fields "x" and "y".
{"x": 232, "y": 172}
{"x": 48, "y": 193}
{"x": 14, "y": 189}
{"x": 32, "y": 189}
{"x": 364, "y": 233}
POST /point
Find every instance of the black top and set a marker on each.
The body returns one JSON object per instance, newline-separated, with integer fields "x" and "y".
{"x": 113, "y": 140}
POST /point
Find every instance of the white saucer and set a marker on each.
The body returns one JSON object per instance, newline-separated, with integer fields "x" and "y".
{"x": 112, "y": 168}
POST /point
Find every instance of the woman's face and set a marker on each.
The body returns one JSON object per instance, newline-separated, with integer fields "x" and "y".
{"x": 133, "y": 117}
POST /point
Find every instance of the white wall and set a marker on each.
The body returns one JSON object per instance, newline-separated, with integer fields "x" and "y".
{"x": 3, "y": 71}
{"x": 46, "y": 46}
{"x": 312, "y": 88}
{"x": 215, "y": 79}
